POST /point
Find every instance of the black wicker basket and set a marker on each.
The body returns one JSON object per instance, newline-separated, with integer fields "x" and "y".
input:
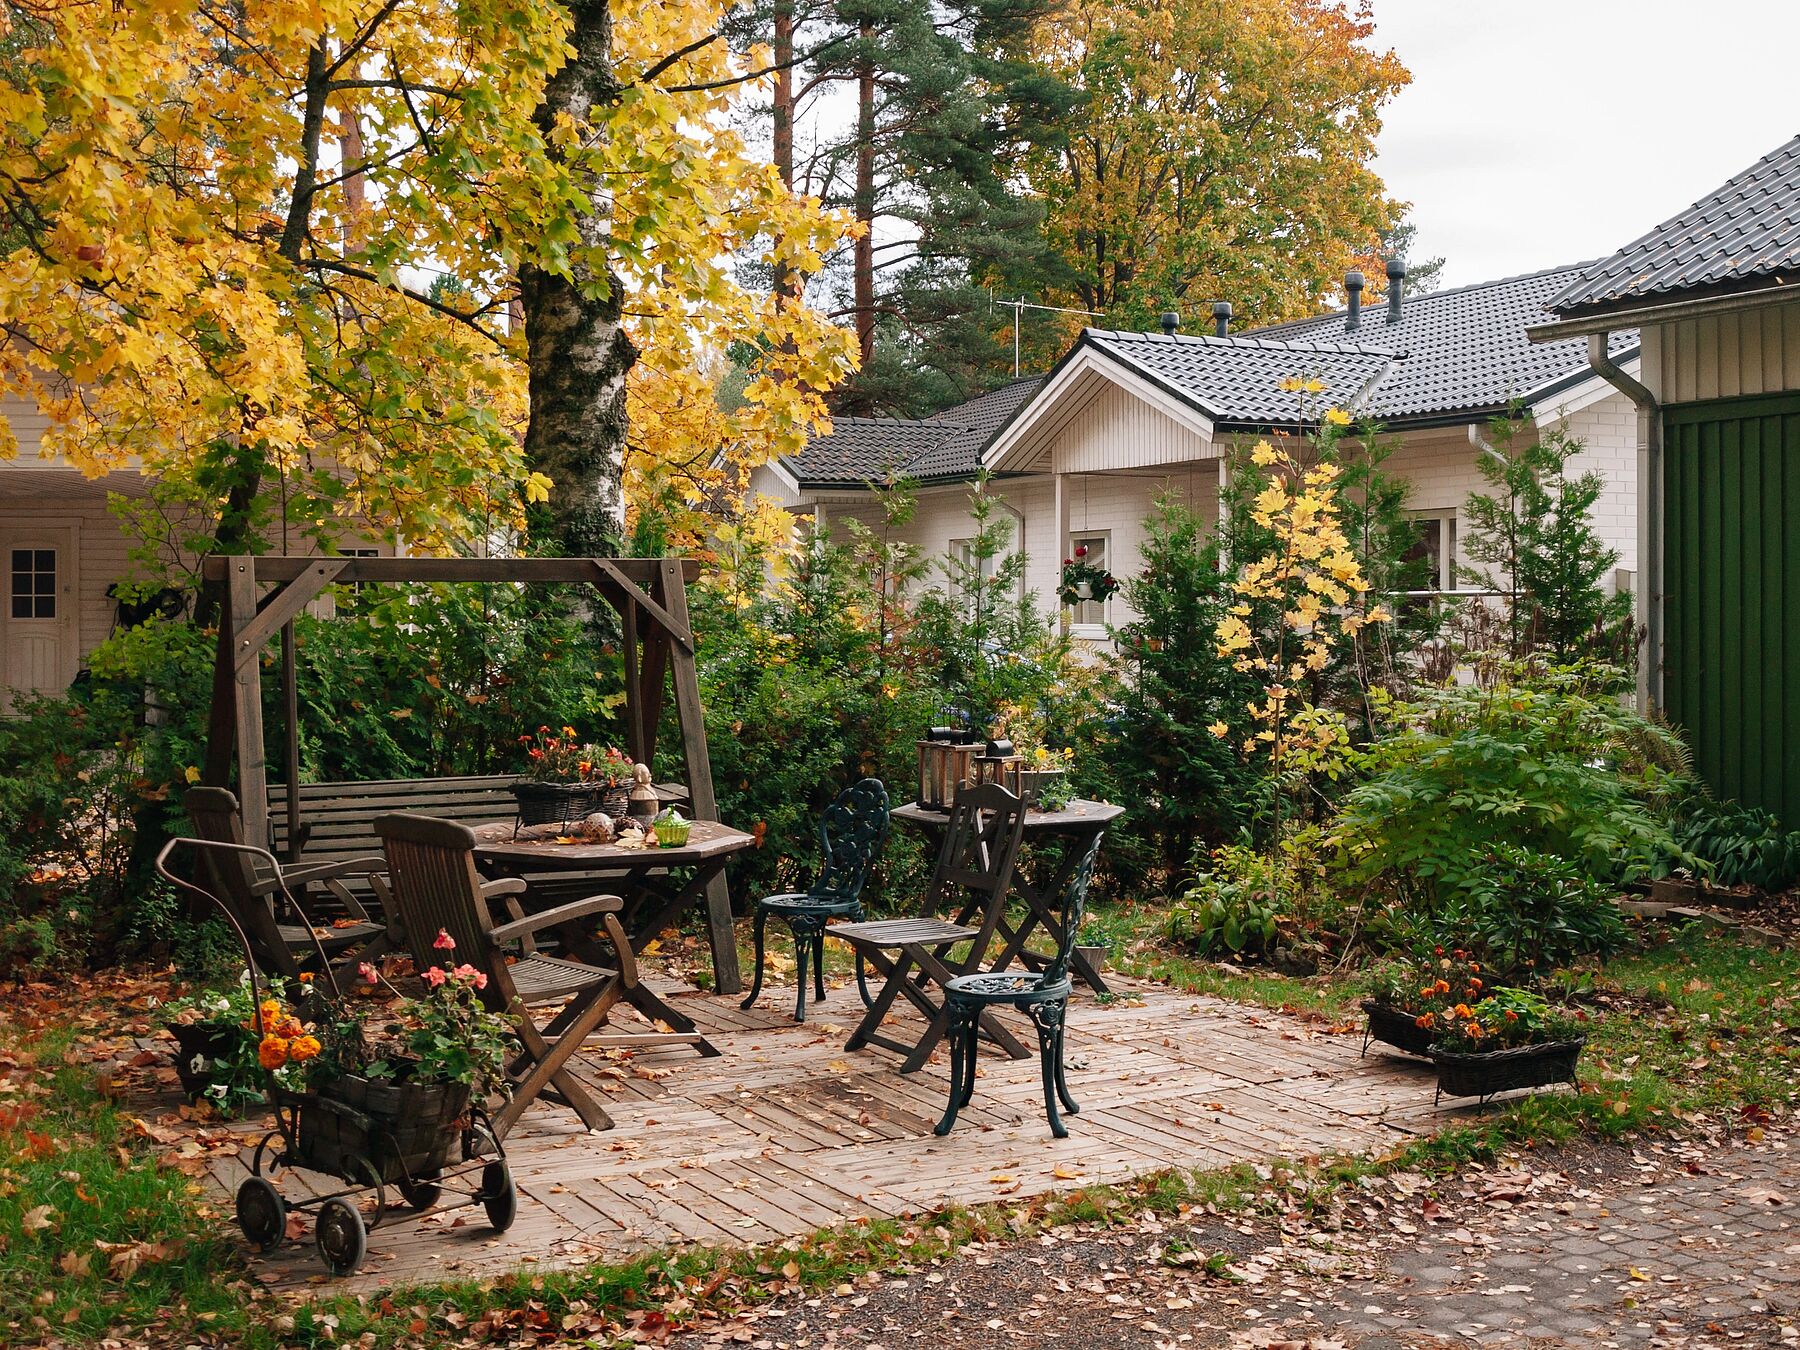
{"x": 554, "y": 803}
{"x": 1489, "y": 1072}
{"x": 200, "y": 1046}
{"x": 399, "y": 1128}
{"x": 1392, "y": 1027}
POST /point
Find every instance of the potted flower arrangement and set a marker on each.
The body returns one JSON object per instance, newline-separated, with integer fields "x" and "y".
{"x": 1045, "y": 778}
{"x": 1511, "y": 1039}
{"x": 1081, "y": 580}
{"x": 216, "y": 1044}
{"x": 386, "y": 1079}
{"x": 565, "y": 779}
{"x": 1407, "y": 1000}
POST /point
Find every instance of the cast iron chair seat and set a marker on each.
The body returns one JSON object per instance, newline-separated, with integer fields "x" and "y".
{"x": 805, "y": 901}
{"x": 1043, "y": 996}
{"x": 851, "y": 833}
{"x": 1017, "y": 987}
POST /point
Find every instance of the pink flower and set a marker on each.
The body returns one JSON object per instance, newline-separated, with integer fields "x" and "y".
{"x": 367, "y": 973}
{"x": 468, "y": 972}
{"x": 435, "y": 976}
{"x": 445, "y": 943}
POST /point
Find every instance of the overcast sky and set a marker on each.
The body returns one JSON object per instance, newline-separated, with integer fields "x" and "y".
{"x": 1538, "y": 133}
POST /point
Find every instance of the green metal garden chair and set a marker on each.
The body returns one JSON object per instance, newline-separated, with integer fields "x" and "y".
{"x": 1041, "y": 996}
{"x": 851, "y": 834}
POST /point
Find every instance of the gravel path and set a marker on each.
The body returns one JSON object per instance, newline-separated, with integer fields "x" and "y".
{"x": 1665, "y": 1245}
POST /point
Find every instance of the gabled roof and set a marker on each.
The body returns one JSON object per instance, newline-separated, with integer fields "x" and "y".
{"x": 1237, "y": 380}
{"x": 1744, "y": 235}
{"x": 948, "y": 444}
{"x": 1467, "y": 355}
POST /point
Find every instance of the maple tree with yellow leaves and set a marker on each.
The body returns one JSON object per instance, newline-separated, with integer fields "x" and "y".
{"x": 268, "y": 255}
{"x": 1294, "y": 603}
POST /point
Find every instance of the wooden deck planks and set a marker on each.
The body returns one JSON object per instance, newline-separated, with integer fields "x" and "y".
{"x": 787, "y": 1132}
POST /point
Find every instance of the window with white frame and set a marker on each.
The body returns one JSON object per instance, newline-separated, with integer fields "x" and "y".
{"x": 1092, "y": 549}
{"x": 1436, "y": 545}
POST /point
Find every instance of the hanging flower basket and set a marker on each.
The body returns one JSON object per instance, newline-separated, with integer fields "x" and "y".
{"x": 1081, "y": 580}
{"x": 1399, "y": 1029}
{"x": 1485, "y": 1073}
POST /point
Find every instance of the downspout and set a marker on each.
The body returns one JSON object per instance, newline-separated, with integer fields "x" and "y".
{"x": 1650, "y": 515}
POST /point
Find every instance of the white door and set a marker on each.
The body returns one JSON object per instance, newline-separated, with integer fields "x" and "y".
{"x": 38, "y": 619}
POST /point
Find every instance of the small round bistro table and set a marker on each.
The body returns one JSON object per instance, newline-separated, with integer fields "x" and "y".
{"x": 1077, "y": 823}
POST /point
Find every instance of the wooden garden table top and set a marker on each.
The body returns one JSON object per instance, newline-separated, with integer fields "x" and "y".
{"x": 1078, "y": 817}
{"x": 707, "y": 841}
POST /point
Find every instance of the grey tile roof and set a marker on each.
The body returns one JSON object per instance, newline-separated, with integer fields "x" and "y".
{"x": 1466, "y": 351}
{"x": 1455, "y": 355}
{"x": 1237, "y": 380}
{"x": 865, "y": 449}
{"x": 1743, "y": 235}
{"x": 874, "y": 449}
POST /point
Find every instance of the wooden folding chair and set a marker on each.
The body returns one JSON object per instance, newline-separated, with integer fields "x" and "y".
{"x": 245, "y": 881}
{"x": 971, "y": 881}
{"x": 433, "y": 887}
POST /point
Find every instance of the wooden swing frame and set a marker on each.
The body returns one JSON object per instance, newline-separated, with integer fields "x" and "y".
{"x": 649, "y": 595}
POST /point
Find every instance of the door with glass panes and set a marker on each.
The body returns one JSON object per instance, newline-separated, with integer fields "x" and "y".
{"x": 38, "y": 653}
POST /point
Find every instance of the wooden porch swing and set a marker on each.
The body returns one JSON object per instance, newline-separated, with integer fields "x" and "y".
{"x": 323, "y": 820}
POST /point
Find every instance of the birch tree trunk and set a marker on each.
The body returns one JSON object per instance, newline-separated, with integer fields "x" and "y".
{"x": 579, "y": 353}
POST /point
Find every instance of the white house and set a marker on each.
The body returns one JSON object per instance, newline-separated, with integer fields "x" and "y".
{"x": 1080, "y": 454}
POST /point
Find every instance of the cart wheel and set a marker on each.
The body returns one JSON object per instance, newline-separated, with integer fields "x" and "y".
{"x": 342, "y": 1239}
{"x": 478, "y": 1140}
{"x": 498, "y": 1197}
{"x": 261, "y": 1213}
{"x": 421, "y": 1192}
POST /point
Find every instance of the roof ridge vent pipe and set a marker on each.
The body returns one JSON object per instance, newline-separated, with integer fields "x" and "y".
{"x": 1396, "y": 275}
{"x": 1171, "y": 321}
{"x": 1221, "y": 318}
{"x": 1353, "y": 288}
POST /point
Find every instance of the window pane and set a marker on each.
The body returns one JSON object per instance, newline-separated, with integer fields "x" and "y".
{"x": 46, "y": 583}
{"x": 1430, "y": 547}
{"x": 21, "y": 608}
{"x": 21, "y": 560}
{"x": 46, "y": 560}
{"x": 46, "y": 607}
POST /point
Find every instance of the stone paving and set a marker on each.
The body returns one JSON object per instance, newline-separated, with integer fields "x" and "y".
{"x": 1661, "y": 1246}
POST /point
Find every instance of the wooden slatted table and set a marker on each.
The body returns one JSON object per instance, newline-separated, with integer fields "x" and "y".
{"x": 1077, "y": 823}
{"x": 654, "y": 900}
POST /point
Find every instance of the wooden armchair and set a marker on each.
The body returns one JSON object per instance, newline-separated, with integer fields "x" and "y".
{"x": 433, "y": 888}
{"x": 246, "y": 880}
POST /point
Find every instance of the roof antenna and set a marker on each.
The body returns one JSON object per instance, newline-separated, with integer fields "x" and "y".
{"x": 1396, "y": 275}
{"x": 1221, "y": 318}
{"x": 1353, "y": 287}
{"x": 1019, "y": 306}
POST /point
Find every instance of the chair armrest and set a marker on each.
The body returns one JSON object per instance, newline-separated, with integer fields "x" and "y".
{"x": 302, "y": 873}
{"x": 575, "y": 909}
{"x": 503, "y": 886}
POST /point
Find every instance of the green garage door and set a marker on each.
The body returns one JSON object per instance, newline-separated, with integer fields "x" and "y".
{"x": 1731, "y": 611}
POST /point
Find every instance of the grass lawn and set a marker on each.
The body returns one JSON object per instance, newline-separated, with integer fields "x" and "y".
{"x": 1689, "y": 1033}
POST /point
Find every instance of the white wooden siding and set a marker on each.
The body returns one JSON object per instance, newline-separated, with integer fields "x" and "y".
{"x": 1749, "y": 352}
{"x": 1114, "y": 429}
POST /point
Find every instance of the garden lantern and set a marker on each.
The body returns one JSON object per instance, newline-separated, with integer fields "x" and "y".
{"x": 998, "y": 764}
{"x": 944, "y": 766}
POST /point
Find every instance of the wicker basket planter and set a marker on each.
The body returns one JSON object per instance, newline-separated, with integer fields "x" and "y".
{"x": 199, "y": 1048}
{"x": 554, "y": 803}
{"x": 1494, "y": 1071}
{"x": 1392, "y": 1027}
{"x": 401, "y": 1128}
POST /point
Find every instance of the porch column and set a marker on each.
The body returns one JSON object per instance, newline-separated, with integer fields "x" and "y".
{"x": 1059, "y": 516}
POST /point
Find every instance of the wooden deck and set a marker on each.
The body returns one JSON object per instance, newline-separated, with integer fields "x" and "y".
{"x": 787, "y": 1132}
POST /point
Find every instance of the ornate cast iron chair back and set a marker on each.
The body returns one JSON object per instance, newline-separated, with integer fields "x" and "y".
{"x": 1074, "y": 910}
{"x": 852, "y": 831}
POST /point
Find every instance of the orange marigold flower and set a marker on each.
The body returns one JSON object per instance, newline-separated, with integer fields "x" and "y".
{"x": 272, "y": 1053}
{"x": 1463, "y": 1010}
{"x": 271, "y": 1012}
{"x": 1474, "y": 984}
{"x": 1424, "y": 1020}
{"x": 1511, "y": 1016}
{"x": 290, "y": 1027}
{"x": 1442, "y": 986}
{"x": 1472, "y": 1030}
{"x": 303, "y": 1048}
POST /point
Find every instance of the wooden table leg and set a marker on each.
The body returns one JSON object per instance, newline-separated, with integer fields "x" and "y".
{"x": 940, "y": 1021}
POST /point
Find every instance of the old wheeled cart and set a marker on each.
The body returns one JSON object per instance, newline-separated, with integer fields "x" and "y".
{"x": 430, "y": 1142}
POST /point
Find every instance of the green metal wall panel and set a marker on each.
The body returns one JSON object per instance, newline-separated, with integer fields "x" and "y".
{"x": 1731, "y": 563}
